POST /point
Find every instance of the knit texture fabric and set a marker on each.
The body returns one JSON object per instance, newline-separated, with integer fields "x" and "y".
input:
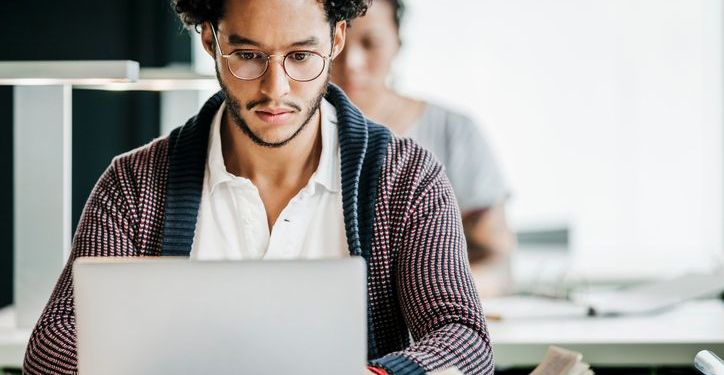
{"x": 400, "y": 215}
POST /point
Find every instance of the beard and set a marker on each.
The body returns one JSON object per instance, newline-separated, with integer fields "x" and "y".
{"x": 234, "y": 109}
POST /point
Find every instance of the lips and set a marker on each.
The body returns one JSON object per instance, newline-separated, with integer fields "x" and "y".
{"x": 274, "y": 116}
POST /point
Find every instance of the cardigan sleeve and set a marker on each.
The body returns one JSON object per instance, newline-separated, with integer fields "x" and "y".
{"x": 437, "y": 296}
{"x": 106, "y": 228}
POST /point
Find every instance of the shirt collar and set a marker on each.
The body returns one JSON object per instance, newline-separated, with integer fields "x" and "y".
{"x": 328, "y": 173}
{"x": 215, "y": 167}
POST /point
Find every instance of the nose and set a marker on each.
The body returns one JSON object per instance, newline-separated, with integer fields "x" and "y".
{"x": 274, "y": 82}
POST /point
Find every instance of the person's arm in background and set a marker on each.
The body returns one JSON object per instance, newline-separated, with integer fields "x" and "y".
{"x": 488, "y": 235}
{"x": 490, "y": 246}
{"x": 482, "y": 194}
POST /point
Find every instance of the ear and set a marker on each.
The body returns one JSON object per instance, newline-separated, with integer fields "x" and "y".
{"x": 340, "y": 35}
{"x": 207, "y": 39}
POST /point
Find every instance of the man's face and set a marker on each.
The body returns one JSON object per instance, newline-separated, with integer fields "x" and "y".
{"x": 273, "y": 108}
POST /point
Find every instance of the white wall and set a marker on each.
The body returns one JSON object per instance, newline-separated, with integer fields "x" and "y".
{"x": 606, "y": 114}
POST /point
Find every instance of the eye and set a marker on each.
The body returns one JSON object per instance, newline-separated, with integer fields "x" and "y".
{"x": 249, "y": 55}
{"x": 369, "y": 43}
{"x": 300, "y": 56}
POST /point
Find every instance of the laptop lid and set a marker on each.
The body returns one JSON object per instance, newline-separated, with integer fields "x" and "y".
{"x": 176, "y": 316}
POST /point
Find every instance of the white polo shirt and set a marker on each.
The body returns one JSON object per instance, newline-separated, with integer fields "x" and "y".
{"x": 232, "y": 222}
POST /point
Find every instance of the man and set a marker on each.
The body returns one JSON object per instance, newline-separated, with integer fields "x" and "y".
{"x": 272, "y": 167}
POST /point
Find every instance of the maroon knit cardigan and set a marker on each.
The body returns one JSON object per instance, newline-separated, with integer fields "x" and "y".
{"x": 419, "y": 282}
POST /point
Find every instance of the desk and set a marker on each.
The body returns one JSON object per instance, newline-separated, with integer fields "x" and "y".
{"x": 670, "y": 338}
{"x": 667, "y": 339}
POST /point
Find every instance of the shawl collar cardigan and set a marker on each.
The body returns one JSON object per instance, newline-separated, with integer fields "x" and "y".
{"x": 363, "y": 147}
{"x": 400, "y": 215}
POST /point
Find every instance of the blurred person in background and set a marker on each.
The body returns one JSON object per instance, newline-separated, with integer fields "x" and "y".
{"x": 362, "y": 70}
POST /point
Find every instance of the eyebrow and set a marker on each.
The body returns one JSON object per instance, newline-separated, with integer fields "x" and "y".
{"x": 309, "y": 42}
{"x": 240, "y": 40}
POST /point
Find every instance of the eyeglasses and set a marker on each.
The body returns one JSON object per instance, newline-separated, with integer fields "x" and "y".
{"x": 249, "y": 64}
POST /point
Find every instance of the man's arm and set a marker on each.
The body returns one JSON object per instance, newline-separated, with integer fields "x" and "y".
{"x": 436, "y": 291}
{"x": 105, "y": 229}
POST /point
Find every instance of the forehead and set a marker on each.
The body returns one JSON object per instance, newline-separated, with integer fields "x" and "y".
{"x": 378, "y": 19}
{"x": 275, "y": 22}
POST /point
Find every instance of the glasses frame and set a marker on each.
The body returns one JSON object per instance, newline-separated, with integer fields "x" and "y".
{"x": 268, "y": 58}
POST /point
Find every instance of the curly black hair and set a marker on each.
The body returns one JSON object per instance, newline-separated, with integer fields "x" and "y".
{"x": 193, "y": 13}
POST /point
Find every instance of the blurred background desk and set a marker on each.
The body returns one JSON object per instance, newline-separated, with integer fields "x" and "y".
{"x": 12, "y": 340}
{"x": 669, "y": 338}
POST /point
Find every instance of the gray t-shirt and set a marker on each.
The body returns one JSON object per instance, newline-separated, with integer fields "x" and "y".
{"x": 460, "y": 146}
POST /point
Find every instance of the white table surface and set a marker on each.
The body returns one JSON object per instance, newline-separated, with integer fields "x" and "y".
{"x": 669, "y": 338}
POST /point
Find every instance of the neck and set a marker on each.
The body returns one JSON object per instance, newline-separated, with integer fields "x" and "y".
{"x": 374, "y": 104}
{"x": 388, "y": 108}
{"x": 291, "y": 165}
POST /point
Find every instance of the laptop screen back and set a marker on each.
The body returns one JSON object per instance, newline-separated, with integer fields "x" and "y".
{"x": 153, "y": 316}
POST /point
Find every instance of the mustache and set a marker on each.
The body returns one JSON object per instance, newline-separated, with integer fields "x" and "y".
{"x": 265, "y": 101}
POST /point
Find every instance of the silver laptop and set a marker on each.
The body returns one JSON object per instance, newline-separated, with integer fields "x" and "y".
{"x": 176, "y": 316}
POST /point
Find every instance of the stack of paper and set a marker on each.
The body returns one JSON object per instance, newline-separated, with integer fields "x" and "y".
{"x": 559, "y": 361}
